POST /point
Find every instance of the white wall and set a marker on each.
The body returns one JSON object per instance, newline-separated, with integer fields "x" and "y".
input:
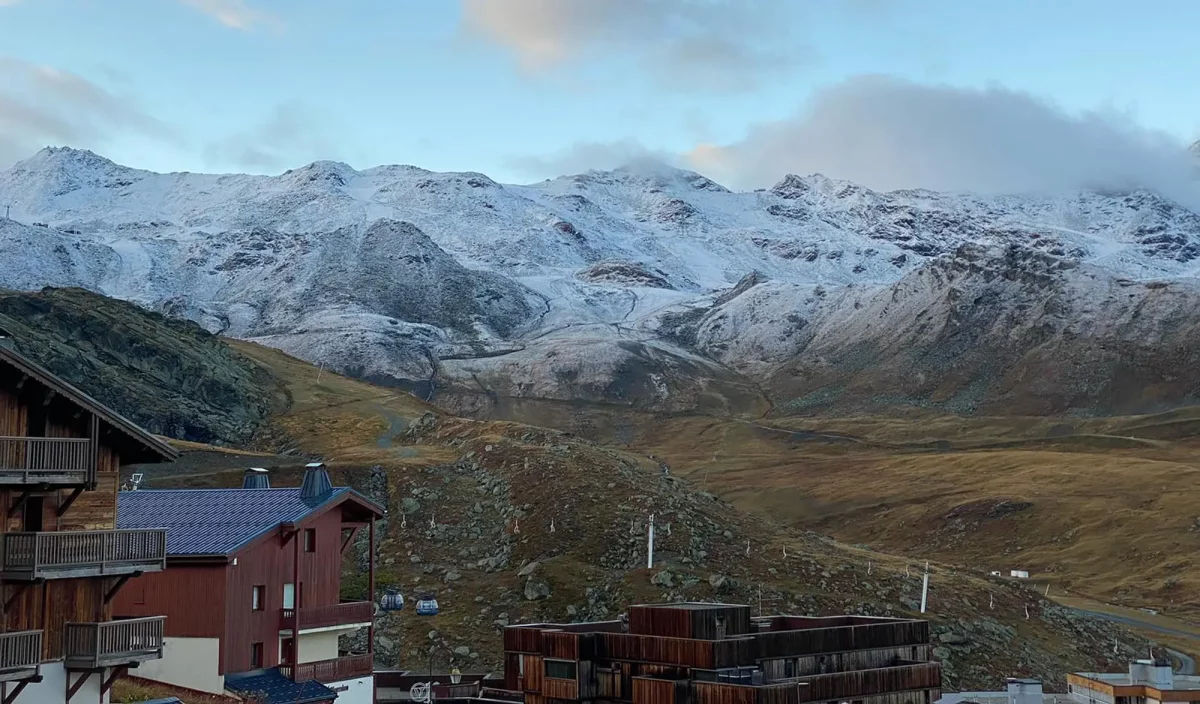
{"x": 53, "y": 687}
{"x": 359, "y": 691}
{"x": 187, "y": 662}
{"x": 322, "y": 645}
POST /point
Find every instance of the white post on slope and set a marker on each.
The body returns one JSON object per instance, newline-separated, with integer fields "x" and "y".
{"x": 925, "y": 588}
{"x": 1047, "y": 590}
{"x": 650, "y": 543}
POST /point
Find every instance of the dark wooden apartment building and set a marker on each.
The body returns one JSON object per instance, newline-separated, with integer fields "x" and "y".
{"x": 62, "y": 561}
{"x": 717, "y": 654}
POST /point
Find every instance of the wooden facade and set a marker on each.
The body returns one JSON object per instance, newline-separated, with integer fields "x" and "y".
{"x": 783, "y": 660}
{"x": 63, "y": 560}
{"x": 213, "y": 596}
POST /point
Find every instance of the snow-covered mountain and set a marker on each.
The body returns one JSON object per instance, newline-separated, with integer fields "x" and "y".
{"x": 615, "y": 286}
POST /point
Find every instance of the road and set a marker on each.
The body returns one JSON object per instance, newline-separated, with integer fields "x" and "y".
{"x": 1187, "y": 663}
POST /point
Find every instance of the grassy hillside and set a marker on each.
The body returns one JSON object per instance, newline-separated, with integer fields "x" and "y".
{"x": 510, "y": 523}
{"x": 1103, "y": 508}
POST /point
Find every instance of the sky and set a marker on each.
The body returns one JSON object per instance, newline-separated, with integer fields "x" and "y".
{"x": 949, "y": 94}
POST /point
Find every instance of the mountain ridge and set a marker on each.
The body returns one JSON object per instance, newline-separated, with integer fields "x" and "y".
{"x": 454, "y": 285}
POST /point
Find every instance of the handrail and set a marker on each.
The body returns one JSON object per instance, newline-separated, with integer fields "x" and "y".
{"x": 20, "y": 650}
{"x": 37, "y": 459}
{"x": 344, "y": 613}
{"x": 112, "y": 641}
{"x": 344, "y": 668}
{"x": 106, "y": 550}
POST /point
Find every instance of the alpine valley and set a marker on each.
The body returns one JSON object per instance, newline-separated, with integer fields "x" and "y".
{"x": 646, "y": 287}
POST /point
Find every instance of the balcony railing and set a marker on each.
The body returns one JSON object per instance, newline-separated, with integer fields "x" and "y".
{"x": 20, "y": 655}
{"x": 91, "y": 645}
{"x": 90, "y": 553}
{"x": 54, "y": 461}
{"x": 347, "y": 667}
{"x": 344, "y": 614}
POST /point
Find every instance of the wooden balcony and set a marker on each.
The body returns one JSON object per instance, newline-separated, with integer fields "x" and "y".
{"x": 20, "y": 655}
{"x": 46, "y": 461}
{"x": 347, "y": 667}
{"x": 89, "y": 646}
{"x": 90, "y": 553}
{"x": 345, "y": 614}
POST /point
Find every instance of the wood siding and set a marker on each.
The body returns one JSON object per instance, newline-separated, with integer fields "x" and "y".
{"x": 200, "y": 587}
{"x": 842, "y": 662}
{"x": 49, "y": 605}
{"x": 691, "y": 622}
{"x": 268, "y": 562}
{"x": 702, "y": 654}
{"x": 842, "y": 638}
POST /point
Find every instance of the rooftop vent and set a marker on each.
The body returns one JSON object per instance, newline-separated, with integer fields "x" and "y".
{"x": 256, "y": 478}
{"x": 316, "y": 481}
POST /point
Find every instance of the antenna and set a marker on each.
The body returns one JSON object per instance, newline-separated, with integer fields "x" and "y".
{"x": 925, "y": 588}
{"x": 650, "y": 543}
{"x": 135, "y": 481}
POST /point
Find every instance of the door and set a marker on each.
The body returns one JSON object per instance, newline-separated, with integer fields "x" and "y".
{"x": 32, "y": 514}
{"x": 289, "y": 596}
{"x": 287, "y": 651}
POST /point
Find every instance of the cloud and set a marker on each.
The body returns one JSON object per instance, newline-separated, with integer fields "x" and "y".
{"x": 42, "y": 105}
{"x": 582, "y": 156}
{"x": 688, "y": 45}
{"x": 291, "y": 136}
{"x": 889, "y": 133}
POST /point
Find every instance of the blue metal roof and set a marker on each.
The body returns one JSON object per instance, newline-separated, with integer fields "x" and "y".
{"x": 214, "y": 521}
{"x": 278, "y": 689}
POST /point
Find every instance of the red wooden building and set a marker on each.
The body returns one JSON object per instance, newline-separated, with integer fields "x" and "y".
{"x": 62, "y": 561}
{"x": 252, "y": 587}
{"x": 718, "y": 654}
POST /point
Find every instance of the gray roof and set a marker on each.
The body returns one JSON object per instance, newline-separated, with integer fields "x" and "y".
{"x": 215, "y": 521}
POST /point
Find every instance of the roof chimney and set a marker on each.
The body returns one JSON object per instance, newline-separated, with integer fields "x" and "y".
{"x": 256, "y": 478}
{"x": 316, "y": 481}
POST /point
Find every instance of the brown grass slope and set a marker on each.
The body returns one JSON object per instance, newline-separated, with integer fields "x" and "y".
{"x": 1103, "y": 508}
{"x": 471, "y": 505}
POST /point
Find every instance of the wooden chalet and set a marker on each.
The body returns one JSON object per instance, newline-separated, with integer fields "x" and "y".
{"x": 62, "y": 559}
{"x": 252, "y": 588}
{"x": 717, "y": 654}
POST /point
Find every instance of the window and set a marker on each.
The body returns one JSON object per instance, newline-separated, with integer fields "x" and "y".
{"x": 310, "y": 540}
{"x": 560, "y": 669}
{"x": 789, "y": 669}
{"x": 256, "y": 656}
{"x": 260, "y": 597}
{"x": 289, "y": 596}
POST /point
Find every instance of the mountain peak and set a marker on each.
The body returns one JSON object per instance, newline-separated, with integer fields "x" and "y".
{"x": 63, "y": 157}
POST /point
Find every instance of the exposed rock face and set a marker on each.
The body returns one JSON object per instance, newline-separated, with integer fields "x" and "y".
{"x": 624, "y": 273}
{"x": 169, "y": 376}
{"x": 1011, "y": 331}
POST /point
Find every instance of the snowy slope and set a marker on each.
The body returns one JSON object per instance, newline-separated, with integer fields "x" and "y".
{"x": 430, "y": 279}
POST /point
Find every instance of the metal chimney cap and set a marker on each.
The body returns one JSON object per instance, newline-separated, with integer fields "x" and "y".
{"x": 315, "y": 465}
{"x": 256, "y": 470}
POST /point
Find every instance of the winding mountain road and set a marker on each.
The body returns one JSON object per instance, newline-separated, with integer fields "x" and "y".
{"x": 1187, "y": 663}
